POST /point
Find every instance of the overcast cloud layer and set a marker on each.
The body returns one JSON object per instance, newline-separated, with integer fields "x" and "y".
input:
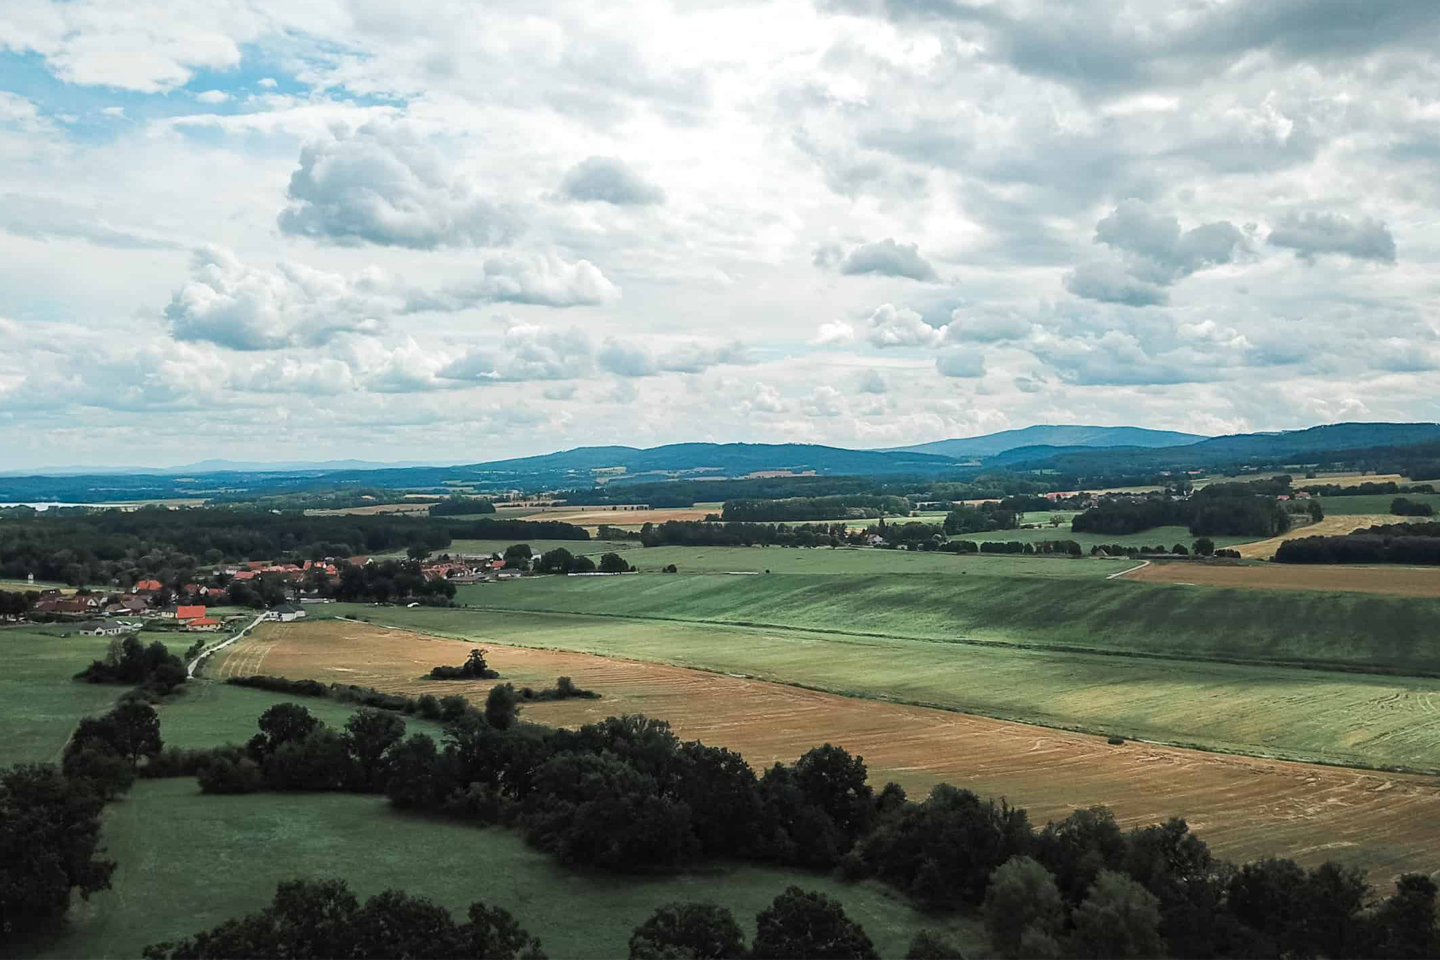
{"x": 284, "y": 229}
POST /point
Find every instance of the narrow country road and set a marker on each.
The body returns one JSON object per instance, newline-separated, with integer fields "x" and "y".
{"x": 190, "y": 667}
{"x": 1141, "y": 566}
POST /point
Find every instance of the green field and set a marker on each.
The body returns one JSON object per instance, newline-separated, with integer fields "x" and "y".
{"x": 819, "y": 560}
{"x": 1349, "y": 630}
{"x": 39, "y": 702}
{"x": 189, "y": 861}
{"x": 1378, "y": 503}
{"x": 1270, "y": 710}
{"x": 1155, "y": 536}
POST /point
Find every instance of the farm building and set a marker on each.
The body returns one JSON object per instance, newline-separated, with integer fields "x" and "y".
{"x": 203, "y": 624}
{"x": 190, "y": 612}
{"x": 103, "y": 628}
{"x": 285, "y": 613}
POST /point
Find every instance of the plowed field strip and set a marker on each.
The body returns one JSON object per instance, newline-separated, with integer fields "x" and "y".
{"x": 1387, "y": 579}
{"x": 1244, "y": 807}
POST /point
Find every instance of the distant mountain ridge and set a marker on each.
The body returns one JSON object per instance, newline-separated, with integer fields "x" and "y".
{"x": 718, "y": 459}
{"x": 1052, "y": 435}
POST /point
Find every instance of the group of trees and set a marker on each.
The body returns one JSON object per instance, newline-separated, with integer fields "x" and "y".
{"x": 1417, "y": 543}
{"x": 815, "y": 508}
{"x": 14, "y": 604}
{"x": 152, "y": 669}
{"x": 474, "y": 668}
{"x": 561, "y": 560}
{"x": 1220, "y": 509}
{"x": 458, "y": 506}
{"x": 388, "y": 581}
{"x": 1405, "y": 507}
{"x": 982, "y": 519}
{"x": 323, "y": 919}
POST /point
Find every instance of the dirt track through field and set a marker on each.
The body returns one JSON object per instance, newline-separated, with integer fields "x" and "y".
{"x": 1335, "y": 526}
{"x": 1381, "y": 578}
{"x": 1244, "y": 807}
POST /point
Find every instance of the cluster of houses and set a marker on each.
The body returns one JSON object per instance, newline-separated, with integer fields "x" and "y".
{"x": 470, "y": 570}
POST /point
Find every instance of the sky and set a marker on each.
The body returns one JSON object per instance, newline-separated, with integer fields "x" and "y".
{"x": 447, "y": 231}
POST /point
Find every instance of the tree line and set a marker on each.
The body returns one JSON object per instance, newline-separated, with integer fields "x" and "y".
{"x": 699, "y": 533}
{"x": 171, "y": 545}
{"x": 815, "y": 508}
{"x": 1417, "y": 543}
{"x": 1220, "y": 509}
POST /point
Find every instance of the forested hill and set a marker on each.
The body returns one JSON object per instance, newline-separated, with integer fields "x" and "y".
{"x": 1056, "y": 436}
{"x": 721, "y": 460}
{"x": 1368, "y": 441}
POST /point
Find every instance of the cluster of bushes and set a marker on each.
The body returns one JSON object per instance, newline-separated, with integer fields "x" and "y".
{"x": 1417, "y": 543}
{"x": 154, "y": 670}
{"x": 564, "y": 689}
{"x": 1404, "y": 507}
{"x": 474, "y": 668}
{"x": 426, "y": 706}
{"x": 458, "y": 506}
{"x": 627, "y": 795}
{"x": 1125, "y": 550}
{"x": 698, "y": 533}
{"x": 982, "y": 519}
{"x": 322, "y": 919}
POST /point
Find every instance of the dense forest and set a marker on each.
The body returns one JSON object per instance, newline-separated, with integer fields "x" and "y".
{"x": 101, "y": 548}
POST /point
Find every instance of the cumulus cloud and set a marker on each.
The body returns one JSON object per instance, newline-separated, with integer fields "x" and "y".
{"x": 1311, "y": 234}
{"x": 833, "y": 332}
{"x": 825, "y": 401}
{"x": 386, "y": 184}
{"x": 243, "y": 308}
{"x": 629, "y": 359}
{"x": 884, "y": 258}
{"x": 986, "y": 326}
{"x": 212, "y": 96}
{"x": 1151, "y": 252}
{"x": 526, "y": 352}
{"x": 540, "y": 279}
{"x": 901, "y": 327}
{"x": 609, "y": 180}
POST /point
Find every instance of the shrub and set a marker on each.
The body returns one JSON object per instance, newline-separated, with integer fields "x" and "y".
{"x": 474, "y": 668}
{"x": 225, "y": 774}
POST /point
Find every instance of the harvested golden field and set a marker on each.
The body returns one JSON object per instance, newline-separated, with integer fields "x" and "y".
{"x": 1244, "y": 807}
{"x": 594, "y": 516}
{"x": 1389, "y": 579}
{"x": 1332, "y": 526}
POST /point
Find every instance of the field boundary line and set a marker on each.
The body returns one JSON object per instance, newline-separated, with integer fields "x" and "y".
{"x": 1358, "y": 764}
{"x": 1325, "y": 666}
{"x": 1142, "y": 565}
{"x": 206, "y": 652}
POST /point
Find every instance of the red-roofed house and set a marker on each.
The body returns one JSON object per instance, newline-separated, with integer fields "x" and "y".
{"x": 206, "y": 624}
{"x": 151, "y": 586}
{"x": 191, "y": 612}
{"x": 244, "y": 575}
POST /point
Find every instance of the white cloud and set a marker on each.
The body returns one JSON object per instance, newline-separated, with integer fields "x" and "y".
{"x": 387, "y": 184}
{"x": 832, "y": 332}
{"x": 235, "y": 306}
{"x": 609, "y": 180}
{"x": 212, "y": 96}
{"x": 902, "y": 327}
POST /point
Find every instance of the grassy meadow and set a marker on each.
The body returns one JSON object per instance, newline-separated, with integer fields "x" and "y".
{"x": 39, "y": 702}
{"x": 1378, "y": 503}
{"x": 189, "y": 861}
{"x": 1155, "y": 536}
